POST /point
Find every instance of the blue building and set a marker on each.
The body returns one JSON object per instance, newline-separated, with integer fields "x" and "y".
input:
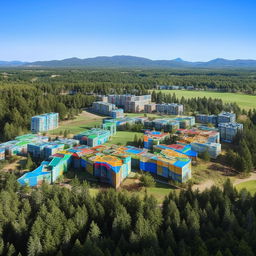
{"x": 226, "y": 117}
{"x": 206, "y": 119}
{"x": 44, "y": 122}
{"x": 229, "y": 130}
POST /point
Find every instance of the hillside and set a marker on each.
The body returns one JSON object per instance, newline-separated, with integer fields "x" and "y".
{"x": 122, "y": 61}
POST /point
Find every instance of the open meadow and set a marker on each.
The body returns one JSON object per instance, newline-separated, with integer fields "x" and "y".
{"x": 83, "y": 121}
{"x": 249, "y": 185}
{"x": 243, "y": 100}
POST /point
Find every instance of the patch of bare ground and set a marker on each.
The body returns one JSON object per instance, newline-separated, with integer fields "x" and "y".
{"x": 132, "y": 185}
{"x": 239, "y": 180}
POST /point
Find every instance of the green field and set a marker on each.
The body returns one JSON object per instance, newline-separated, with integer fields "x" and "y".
{"x": 160, "y": 191}
{"x": 80, "y": 123}
{"x": 243, "y": 100}
{"x": 249, "y": 185}
{"x": 123, "y": 137}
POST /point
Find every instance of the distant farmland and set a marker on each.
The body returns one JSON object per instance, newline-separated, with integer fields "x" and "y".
{"x": 244, "y": 101}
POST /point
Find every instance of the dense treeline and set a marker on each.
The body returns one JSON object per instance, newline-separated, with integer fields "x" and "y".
{"x": 242, "y": 155}
{"x": 19, "y": 102}
{"x": 197, "y": 105}
{"x": 53, "y": 220}
{"x": 107, "y": 81}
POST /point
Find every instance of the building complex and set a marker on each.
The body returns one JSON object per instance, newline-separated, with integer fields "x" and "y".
{"x": 225, "y": 121}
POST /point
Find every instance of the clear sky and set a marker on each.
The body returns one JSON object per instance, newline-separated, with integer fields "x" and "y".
{"x": 160, "y": 29}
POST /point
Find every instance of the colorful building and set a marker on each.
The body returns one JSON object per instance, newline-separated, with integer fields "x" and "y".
{"x": 2, "y": 153}
{"x": 152, "y": 138}
{"x": 110, "y": 126}
{"x": 44, "y": 150}
{"x": 111, "y": 169}
{"x": 19, "y": 145}
{"x": 201, "y": 140}
{"x": 169, "y": 164}
{"x": 93, "y": 137}
{"x": 48, "y": 171}
{"x": 44, "y": 122}
{"x": 182, "y": 149}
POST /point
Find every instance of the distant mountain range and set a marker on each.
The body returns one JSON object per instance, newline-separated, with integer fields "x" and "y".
{"x": 131, "y": 62}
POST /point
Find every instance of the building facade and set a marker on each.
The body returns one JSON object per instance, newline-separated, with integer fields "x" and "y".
{"x": 229, "y": 130}
{"x": 45, "y": 122}
{"x": 170, "y": 109}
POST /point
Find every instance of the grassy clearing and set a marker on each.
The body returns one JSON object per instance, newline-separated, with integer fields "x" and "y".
{"x": 211, "y": 171}
{"x": 159, "y": 191}
{"x": 249, "y": 185}
{"x": 82, "y": 122}
{"x": 123, "y": 137}
{"x": 243, "y": 100}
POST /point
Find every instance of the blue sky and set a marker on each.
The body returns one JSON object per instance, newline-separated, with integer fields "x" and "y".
{"x": 161, "y": 29}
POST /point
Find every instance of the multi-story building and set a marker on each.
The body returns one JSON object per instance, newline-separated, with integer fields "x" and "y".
{"x": 229, "y": 130}
{"x": 226, "y": 117}
{"x": 44, "y": 122}
{"x": 93, "y": 137}
{"x": 182, "y": 149}
{"x": 170, "y": 109}
{"x": 207, "y": 119}
{"x": 103, "y": 108}
{"x": 48, "y": 171}
{"x": 170, "y": 124}
{"x": 149, "y": 108}
{"x": 117, "y": 113}
{"x": 130, "y": 103}
{"x": 201, "y": 140}
{"x": 152, "y": 138}
{"x": 169, "y": 164}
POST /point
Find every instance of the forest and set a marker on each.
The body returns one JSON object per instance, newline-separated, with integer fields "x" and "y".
{"x": 54, "y": 220}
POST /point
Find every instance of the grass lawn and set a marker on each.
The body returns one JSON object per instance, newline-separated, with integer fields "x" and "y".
{"x": 249, "y": 185}
{"x": 159, "y": 191}
{"x": 123, "y": 137}
{"x": 82, "y": 122}
{"x": 213, "y": 171}
{"x": 243, "y": 100}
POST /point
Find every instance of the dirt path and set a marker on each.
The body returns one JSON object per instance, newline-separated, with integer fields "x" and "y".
{"x": 239, "y": 180}
{"x": 203, "y": 186}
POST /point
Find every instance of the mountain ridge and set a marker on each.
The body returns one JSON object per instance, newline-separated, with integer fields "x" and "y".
{"x": 127, "y": 61}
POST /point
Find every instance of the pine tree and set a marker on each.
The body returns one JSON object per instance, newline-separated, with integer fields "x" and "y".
{"x": 29, "y": 162}
{"x": 94, "y": 232}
